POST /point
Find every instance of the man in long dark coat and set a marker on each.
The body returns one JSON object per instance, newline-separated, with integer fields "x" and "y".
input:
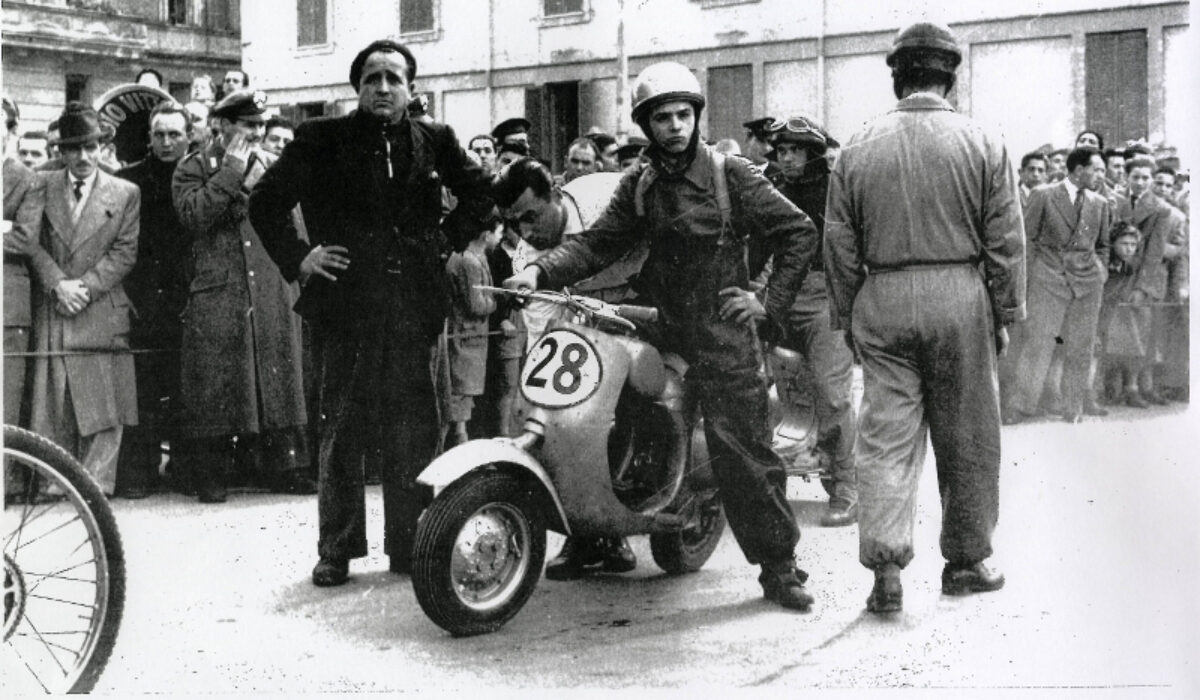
{"x": 157, "y": 287}
{"x": 375, "y": 295}
{"x": 241, "y": 342}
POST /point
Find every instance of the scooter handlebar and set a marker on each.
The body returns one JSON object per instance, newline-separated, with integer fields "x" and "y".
{"x": 638, "y": 314}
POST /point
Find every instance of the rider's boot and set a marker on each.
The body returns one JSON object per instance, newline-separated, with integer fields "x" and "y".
{"x": 576, "y": 555}
{"x": 783, "y": 583}
{"x": 887, "y": 596}
{"x": 839, "y": 514}
{"x": 618, "y": 558}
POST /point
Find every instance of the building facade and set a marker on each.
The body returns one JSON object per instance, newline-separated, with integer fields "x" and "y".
{"x": 61, "y": 50}
{"x": 1039, "y": 72}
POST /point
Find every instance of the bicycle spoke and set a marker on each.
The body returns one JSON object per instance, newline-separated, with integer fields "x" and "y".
{"x": 32, "y": 672}
{"x": 89, "y": 606}
{"x": 41, "y": 639}
{"x": 48, "y": 533}
{"x": 54, "y": 576}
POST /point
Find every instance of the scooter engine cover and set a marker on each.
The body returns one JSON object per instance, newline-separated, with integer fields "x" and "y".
{"x": 563, "y": 369}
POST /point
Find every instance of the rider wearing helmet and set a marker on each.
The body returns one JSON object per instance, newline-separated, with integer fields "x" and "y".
{"x": 698, "y": 211}
{"x": 924, "y": 243}
{"x": 802, "y": 149}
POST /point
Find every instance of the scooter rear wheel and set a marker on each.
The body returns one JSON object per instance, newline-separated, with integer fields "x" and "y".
{"x": 478, "y": 555}
{"x": 687, "y": 550}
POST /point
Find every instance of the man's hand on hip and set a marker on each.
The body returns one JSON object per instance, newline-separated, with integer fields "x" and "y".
{"x": 324, "y": 260}
{"x": 741, "y": 306}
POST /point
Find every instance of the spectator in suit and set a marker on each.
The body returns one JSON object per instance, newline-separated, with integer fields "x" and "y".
{"x": 85, "y": 393}
{"x": 1158, "y": 223}
{"x": 24, "y": 197}
{"x": 1068, "y": 226}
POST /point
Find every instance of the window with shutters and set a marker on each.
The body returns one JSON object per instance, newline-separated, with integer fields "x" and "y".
{"x": 312, "y": 23}
{"x": 178, "y": 12}
{"x": 556, "y": 13}
{"x": 1117, "y": 89}
{"x": 419, "y": 20}
{"x": 553, "y": 8}
{"x": 730, "y": 102}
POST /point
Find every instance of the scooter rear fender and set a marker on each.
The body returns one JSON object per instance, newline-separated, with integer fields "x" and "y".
{"x": 463, "y": 459}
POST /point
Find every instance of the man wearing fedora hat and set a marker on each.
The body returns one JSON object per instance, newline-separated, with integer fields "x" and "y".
{"x": 241, "y": 349}
{"x": 84, "y": 391}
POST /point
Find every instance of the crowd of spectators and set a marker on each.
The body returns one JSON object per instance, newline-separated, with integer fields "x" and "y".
{"x": 1107, "y": 317}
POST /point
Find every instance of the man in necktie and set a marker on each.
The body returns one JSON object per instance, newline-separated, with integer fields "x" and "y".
{"x": 1067, "y": 225}
{"x": 84, "y": 393}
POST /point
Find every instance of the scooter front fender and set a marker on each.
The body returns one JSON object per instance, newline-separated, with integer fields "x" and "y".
{"x": 463, "y": 459}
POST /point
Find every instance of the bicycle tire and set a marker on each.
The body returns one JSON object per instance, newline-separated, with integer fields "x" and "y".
{"x": 41, "y": 455}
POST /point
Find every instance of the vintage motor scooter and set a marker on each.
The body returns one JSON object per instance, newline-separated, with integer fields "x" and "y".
{"x": 609, "y": 448}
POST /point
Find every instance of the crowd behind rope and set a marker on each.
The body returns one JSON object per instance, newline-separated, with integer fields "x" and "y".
{"x": 144, "y": 309}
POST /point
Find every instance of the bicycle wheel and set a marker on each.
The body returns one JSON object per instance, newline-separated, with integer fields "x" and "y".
{"x": 64, "y": 570}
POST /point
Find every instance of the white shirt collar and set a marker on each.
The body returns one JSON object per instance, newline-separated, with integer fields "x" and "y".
{"x": 88, "y": 183}
{"x": 1071, "y": 188}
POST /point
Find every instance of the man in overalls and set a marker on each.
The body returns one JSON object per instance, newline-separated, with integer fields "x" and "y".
{"x": 698, "y": 274}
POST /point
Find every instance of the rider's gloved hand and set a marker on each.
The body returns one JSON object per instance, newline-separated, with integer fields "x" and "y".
{"x": 741, "y": 306}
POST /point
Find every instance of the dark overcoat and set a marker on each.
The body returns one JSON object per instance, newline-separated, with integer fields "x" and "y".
{"x": 241, "y": 361}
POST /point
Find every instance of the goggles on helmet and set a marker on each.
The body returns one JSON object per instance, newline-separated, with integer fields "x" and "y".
{"x": 795, "y": 125}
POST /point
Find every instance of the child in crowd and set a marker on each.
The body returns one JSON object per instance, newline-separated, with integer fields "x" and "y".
{"x": 1122, "y": 327}
{"x": 507, "y": 341}
{"x": 467, "y": 329}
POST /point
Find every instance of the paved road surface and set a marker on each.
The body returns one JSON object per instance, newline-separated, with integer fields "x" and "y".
{"x": 1098, "y": 538}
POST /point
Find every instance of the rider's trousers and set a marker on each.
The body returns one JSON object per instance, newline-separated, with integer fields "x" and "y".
{"x": 810, "y": 333}
{"x": 375, "y": 397}
{"x": 749, "y": 474}
{"x": 929, "y": 366}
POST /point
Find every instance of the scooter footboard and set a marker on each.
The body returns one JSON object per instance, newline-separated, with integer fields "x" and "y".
{"x": 459, "y": 461}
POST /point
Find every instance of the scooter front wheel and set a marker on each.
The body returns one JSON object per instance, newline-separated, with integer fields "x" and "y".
{"x": 687, "y": 550}
{"x": 479, "y": 552}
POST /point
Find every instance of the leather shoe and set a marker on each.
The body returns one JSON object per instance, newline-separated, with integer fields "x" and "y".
{"x": 212, "y": 493}
{"x": 958, "y": 579}
{"x": 293, "y": 482}
{"x": 576, "y": 554}
{"x": 1072, "y": 417}
{"x": 583, "y": 555}
{"x": 839, "y": 515}
{"x": 1135, "y": 400}
{"x": 1012, "y": 417}
{"x": 1091, "y": 408}
{"x": 1154, "y": 397}
{"x": 887, "y": 596}
{"x": 133, "y": 493}
{"x": 330, "y": 572}
{"x": 618, "y": 558}
{"x": 783, "y": 583}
